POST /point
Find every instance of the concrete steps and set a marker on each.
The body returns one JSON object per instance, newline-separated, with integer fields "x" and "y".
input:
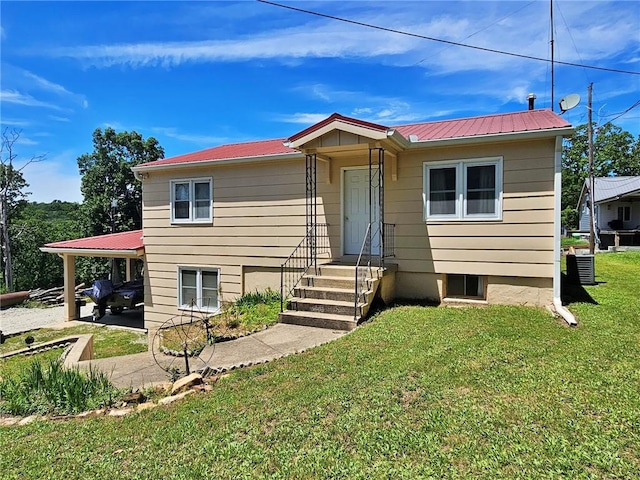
{"x": 326, "y": 298}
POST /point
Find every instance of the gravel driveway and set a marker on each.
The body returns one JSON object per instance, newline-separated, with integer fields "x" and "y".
{"x": 18, "y": 319}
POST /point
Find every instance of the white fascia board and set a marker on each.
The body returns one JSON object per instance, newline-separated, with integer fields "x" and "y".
{"x": 90, "y": 252}
{"x": 340, "y": 125}
{"x": 223, "y": 161}
{"x": 532, "y": 134}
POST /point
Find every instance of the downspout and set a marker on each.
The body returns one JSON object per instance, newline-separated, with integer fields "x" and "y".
{"x": 557, "y": 191}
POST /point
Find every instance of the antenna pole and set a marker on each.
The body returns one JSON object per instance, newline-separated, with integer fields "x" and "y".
{"x": 552, "y": 58}
{"x": 592, "y": 228}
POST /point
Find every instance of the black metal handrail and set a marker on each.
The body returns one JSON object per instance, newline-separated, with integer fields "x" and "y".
{"x": 389, "y": 245}
{"x": 363, "y": 273}
{"x": 302, "y": 258}
{"x": 361, "y": 280}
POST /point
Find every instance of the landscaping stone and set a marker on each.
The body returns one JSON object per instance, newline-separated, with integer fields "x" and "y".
{"x": 8, "y": 421}
{"x": 173, "y": 398}
{"x": 28, "y": 420}
{"x": 120, "y": 412}
{"x": 186, "y": 382}
{"x": 145, "y": 406}
{"x": 133, "y": 397}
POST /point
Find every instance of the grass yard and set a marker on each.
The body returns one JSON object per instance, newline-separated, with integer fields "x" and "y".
{"x": 107, "y": 342}
{"x": 498, "y": 392}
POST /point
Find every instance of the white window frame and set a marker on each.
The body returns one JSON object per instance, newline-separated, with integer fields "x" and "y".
{"x": 192, "y": 207}
{"x": 461, "y": 166}
{"x": 182, "y": 305}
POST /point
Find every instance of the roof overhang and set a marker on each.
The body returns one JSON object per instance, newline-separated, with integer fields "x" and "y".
{"x": 142, "y": 168}
{"x": 94, "y": 252}
{"x": 633, "y": 194}
{"x": 495, "y": 137}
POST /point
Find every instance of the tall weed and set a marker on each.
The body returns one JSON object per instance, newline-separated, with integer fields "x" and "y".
{"x": 49, "y": 388}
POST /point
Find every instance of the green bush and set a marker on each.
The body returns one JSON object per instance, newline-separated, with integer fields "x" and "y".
{"x": 52, "y": 389}
{"x": 252, "y": 299}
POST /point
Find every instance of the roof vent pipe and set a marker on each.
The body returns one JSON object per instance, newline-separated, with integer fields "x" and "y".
{"x": 532, "y": 98}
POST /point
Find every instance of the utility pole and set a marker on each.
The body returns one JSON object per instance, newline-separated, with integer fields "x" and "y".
{"x": 552, "y": 58}
{"x": 592, "y": 223}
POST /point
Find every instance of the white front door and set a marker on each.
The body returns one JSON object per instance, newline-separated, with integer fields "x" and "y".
{"x": 356, "y": 211}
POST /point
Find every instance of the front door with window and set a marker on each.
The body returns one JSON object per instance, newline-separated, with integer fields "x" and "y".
{"x": 356, "y": 211}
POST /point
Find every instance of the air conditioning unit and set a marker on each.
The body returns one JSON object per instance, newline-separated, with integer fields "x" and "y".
{"x": 581, "y": 269}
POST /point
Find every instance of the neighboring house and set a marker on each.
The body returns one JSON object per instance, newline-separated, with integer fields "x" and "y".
{"x": 464, "y": 210}
{"x": 616, "y": 210}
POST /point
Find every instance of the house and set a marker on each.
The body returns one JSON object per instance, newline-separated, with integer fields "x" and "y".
{"x": 616, "y": 210}
{"x": 464, "y": 210}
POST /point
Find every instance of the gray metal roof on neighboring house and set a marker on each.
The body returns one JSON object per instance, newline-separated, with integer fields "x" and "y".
{"x": 609, "y": 188}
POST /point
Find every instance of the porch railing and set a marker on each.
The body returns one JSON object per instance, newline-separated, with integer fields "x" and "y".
{"x": 363, "y": 272}
{"x": 302, "y": 258}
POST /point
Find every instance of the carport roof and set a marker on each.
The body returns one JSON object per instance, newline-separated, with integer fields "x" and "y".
{"x": 125, "y": 243}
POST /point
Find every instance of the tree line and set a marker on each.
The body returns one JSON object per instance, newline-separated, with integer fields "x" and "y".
{"x": 112, "y": 198}
{"x": 112, "y": 202}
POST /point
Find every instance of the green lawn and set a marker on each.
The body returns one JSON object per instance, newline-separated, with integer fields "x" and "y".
{"x": 499, "y": 392}
{"x": 107, "y": 342}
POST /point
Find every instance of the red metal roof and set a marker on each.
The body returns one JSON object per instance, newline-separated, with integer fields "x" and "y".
{"x": 114, "y": 241}
{"x": 527, "y": 121}
{"x": 234, "y": 150}
{"x": 517, "y": 122}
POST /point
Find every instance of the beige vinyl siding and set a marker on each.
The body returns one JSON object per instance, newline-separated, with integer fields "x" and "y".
{"x": 258, "y": 219}
{"x": 521, "y": 244}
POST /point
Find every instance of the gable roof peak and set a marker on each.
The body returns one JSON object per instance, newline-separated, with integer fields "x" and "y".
{"x": 336, "y": 117}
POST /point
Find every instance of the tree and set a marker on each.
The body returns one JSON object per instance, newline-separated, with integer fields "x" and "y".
{"x": 616, "y": 153}
{"x": 37, "y": 225}
{"x": 12, "y": 197}
{"x": 112, "y": 195}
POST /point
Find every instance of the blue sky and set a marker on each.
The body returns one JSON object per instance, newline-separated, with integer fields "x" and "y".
{"x": 198, "y": 74}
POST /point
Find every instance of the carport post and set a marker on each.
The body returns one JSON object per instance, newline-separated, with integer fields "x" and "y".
{"x": 128, "y": 269}
{"x": 69, "y": 262}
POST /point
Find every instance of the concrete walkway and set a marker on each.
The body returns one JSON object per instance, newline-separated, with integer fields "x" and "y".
{"x": 141, "y": 370}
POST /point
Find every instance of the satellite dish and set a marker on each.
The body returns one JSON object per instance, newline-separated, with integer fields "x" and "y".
{"x": 569, "y": 102}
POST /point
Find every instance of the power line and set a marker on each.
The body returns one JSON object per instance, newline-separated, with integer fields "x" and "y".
{"x": 448, "y": 42}
{"x": 484, "y": 28}
{"x": 636, "y": 104}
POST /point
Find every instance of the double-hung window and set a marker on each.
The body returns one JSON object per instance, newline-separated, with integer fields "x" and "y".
{"x": 198, "y": 288}
{"x": 463, "y": 189}
{"x": 191, "y": 200}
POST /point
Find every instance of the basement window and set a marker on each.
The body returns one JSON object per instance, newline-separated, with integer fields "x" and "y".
{"x": 465, "y": 286}
{"x": 199, "y": 289}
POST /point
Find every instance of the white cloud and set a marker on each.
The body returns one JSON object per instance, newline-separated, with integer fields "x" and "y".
{"x": 524, "y": 30}
{"x": 52, "y": 179}
{"x": 58, "y": 118}
{"x": 25, "y": 141}
{"x": 13, "y": 96}
{"x": 303, "y": 118}
{"x": 206, "y": 140}
{"x": 44, "y": 84}
{"x": 14, "y": 122}
{"x": 286, "y": 44}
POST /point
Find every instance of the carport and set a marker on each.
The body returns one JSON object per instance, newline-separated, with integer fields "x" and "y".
{"x": 127, "y": 245}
